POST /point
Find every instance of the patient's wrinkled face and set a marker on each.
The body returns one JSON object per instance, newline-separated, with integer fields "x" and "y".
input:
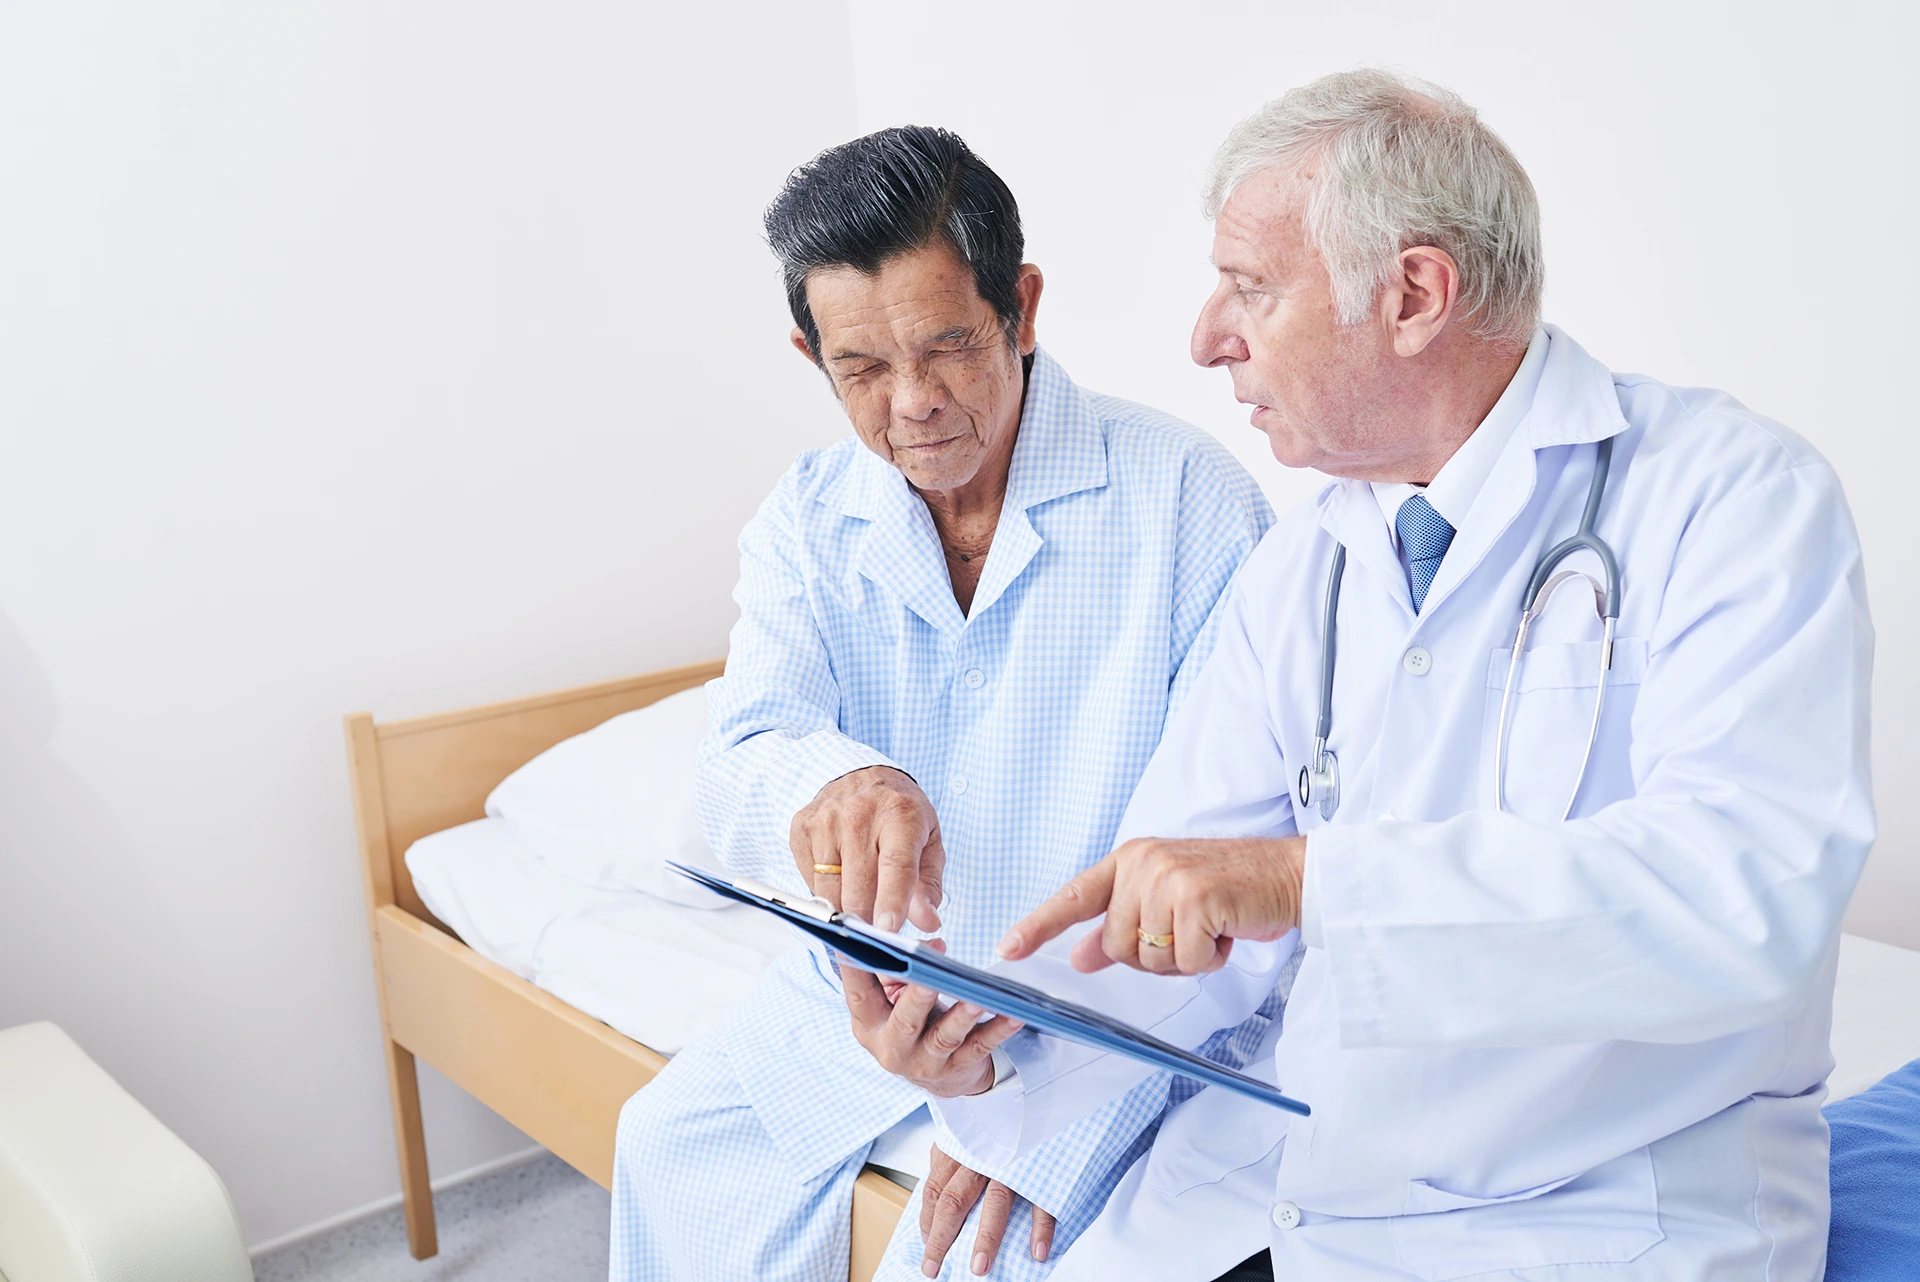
{"x": 924, "y": 366}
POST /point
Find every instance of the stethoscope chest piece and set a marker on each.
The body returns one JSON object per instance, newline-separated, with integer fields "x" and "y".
{"x": 1319, "y": 787}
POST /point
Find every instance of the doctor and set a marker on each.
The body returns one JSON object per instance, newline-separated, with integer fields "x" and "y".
{"x": 1585, "y": 1048}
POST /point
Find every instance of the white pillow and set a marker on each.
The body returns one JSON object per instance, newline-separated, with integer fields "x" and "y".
{"x": 610, "y": 807}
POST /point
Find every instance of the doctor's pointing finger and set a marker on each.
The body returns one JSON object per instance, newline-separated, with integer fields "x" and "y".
{"x": 1173, "y": 905}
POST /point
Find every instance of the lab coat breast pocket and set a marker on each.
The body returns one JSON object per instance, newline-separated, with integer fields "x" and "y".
{"x": 1610, "y": 1215}
{"x": 1548, "y": 720}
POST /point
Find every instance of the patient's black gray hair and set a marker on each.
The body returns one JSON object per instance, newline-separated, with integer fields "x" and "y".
{"x": 1400, "y": 163}
{"x": 890, "y": 193}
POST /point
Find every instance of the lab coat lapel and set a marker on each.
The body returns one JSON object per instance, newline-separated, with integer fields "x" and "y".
{"x": 1351, "y": 515}
{"x": 1062, "y": 450}
{"x": 1573, "y": 404}
{"x": 1500, "y": 502}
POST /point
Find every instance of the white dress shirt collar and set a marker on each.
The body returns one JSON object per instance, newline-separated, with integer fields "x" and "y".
{"x": 1463, "y": 476}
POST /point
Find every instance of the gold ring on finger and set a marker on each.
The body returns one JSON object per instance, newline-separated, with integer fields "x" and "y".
{"x": 827, "y": 870}
{"x": 1152, "y": 940}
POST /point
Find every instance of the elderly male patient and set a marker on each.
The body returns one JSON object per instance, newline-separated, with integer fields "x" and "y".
{"x": 961, "y": 632}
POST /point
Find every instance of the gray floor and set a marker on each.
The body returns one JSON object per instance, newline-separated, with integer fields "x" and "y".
{"x": 536, "y": 1222}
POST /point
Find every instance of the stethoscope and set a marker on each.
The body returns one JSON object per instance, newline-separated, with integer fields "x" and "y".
{"x": 1319, "y": 786}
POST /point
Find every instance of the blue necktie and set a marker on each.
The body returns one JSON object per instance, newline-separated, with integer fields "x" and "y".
{"x": 1424, "y": 536}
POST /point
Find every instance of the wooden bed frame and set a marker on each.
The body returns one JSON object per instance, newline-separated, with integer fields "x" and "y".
{"x": 556, "y": 1073}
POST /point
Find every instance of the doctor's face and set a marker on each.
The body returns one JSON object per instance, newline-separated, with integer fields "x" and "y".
{"x": 923, "y": 365}
{"x": 1319, "y": 390}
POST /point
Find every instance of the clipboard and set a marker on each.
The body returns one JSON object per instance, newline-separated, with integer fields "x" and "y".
{"x": 885, "y": 953}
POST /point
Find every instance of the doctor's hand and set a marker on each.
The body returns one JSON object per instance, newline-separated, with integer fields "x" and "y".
{"x": 945, "y": 1053}
{"x": 947, "y": 1198}
{"x": 1196, "y": 896}
{"x": 879, "y": 830}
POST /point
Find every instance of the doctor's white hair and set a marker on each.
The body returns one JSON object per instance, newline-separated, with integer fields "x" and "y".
{"x": 1399, "y": 162}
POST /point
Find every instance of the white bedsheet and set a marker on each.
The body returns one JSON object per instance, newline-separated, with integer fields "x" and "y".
{"x": 605, "y": 951}
{"x": 1876, "y": 1014}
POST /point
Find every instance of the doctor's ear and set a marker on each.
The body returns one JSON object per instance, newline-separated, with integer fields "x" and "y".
{"x": 799, "y": 341}
{"x": 1418, "y": 303}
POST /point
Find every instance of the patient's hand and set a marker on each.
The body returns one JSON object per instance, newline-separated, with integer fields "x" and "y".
{"x": 880, "y": 829}
{"x": 945, "y": 1053}
{"x": 945, "y": 1201}
{"x": 893, "y": 986}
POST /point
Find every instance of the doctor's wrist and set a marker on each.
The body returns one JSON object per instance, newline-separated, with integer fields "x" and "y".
{"x": 1310, "y": 931}
{"x": 989, "y": 1076}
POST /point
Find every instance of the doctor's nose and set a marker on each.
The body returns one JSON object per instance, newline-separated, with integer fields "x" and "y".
{"x": 1214, "y": 341}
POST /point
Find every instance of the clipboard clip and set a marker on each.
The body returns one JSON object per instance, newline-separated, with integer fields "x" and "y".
{"x": 813, "y": 906}
{"x": 849, "y": 944}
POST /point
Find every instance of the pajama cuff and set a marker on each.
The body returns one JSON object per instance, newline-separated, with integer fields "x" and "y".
{"x": 822, "y": 757}
{"x": 987, "y": 1126}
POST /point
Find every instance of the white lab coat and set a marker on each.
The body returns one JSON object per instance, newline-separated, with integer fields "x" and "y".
{"x": 1512, "y": 1015}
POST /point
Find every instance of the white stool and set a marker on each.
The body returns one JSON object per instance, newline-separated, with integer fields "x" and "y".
{"x": 92, "y": 1187}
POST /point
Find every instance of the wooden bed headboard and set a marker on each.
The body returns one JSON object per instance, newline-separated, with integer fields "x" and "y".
{"x": 412, "y": 778}
{"x": 557, "y": 1073}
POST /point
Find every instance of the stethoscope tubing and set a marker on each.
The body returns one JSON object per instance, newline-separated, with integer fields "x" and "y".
{"x": 1319, "y": 785}
{"x": 1584, "y": 537}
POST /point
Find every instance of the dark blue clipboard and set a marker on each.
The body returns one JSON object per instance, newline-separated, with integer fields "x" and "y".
{"x": 870, "y": 950}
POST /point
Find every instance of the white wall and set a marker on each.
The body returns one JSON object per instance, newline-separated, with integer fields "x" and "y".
{"x": 352, "y": 355}
{"x": 360, "y": 355}
{"x": 1728, "y": 192}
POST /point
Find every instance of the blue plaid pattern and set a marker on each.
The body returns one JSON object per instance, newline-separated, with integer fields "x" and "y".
{"x": 1424, "y": 539}
{"x": 1027, "y": 723}
{"x": 693, "y": 1168}
{"x": 1127, "y": 1138}
{"x": 1121, "y": 1148}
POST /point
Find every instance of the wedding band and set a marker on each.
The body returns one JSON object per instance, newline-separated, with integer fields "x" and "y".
{"x": 1155, "y": 941}
{"x": 827, "y": 870}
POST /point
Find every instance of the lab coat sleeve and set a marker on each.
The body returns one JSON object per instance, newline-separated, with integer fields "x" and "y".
{"x": 1702, "y": 905}
{"x": 1223, "y": 517}
{"x": 773, "y": 731}
{"x": 1214, "y": 771}
{"x": 1184, "y": 792}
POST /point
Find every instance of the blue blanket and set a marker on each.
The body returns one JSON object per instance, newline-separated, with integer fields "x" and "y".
{"x": 1876, "y": 1182}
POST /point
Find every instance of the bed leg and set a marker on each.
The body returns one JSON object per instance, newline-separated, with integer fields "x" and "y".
{"x": 877, "y": 1206}
{"x": 410, "y": 1139}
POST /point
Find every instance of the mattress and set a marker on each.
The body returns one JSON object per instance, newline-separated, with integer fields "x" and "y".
{"x": 1876, "y": 1014}
{"x": 604, "y": 951}
{"x": 600, "y": 950}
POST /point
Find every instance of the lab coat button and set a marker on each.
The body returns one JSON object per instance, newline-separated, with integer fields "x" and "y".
{"x": 959, "y": 786}
{"x": 975, "y": 678}
{"x": 1417, "y": 661}
{"x": 1286, "y": 1215}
